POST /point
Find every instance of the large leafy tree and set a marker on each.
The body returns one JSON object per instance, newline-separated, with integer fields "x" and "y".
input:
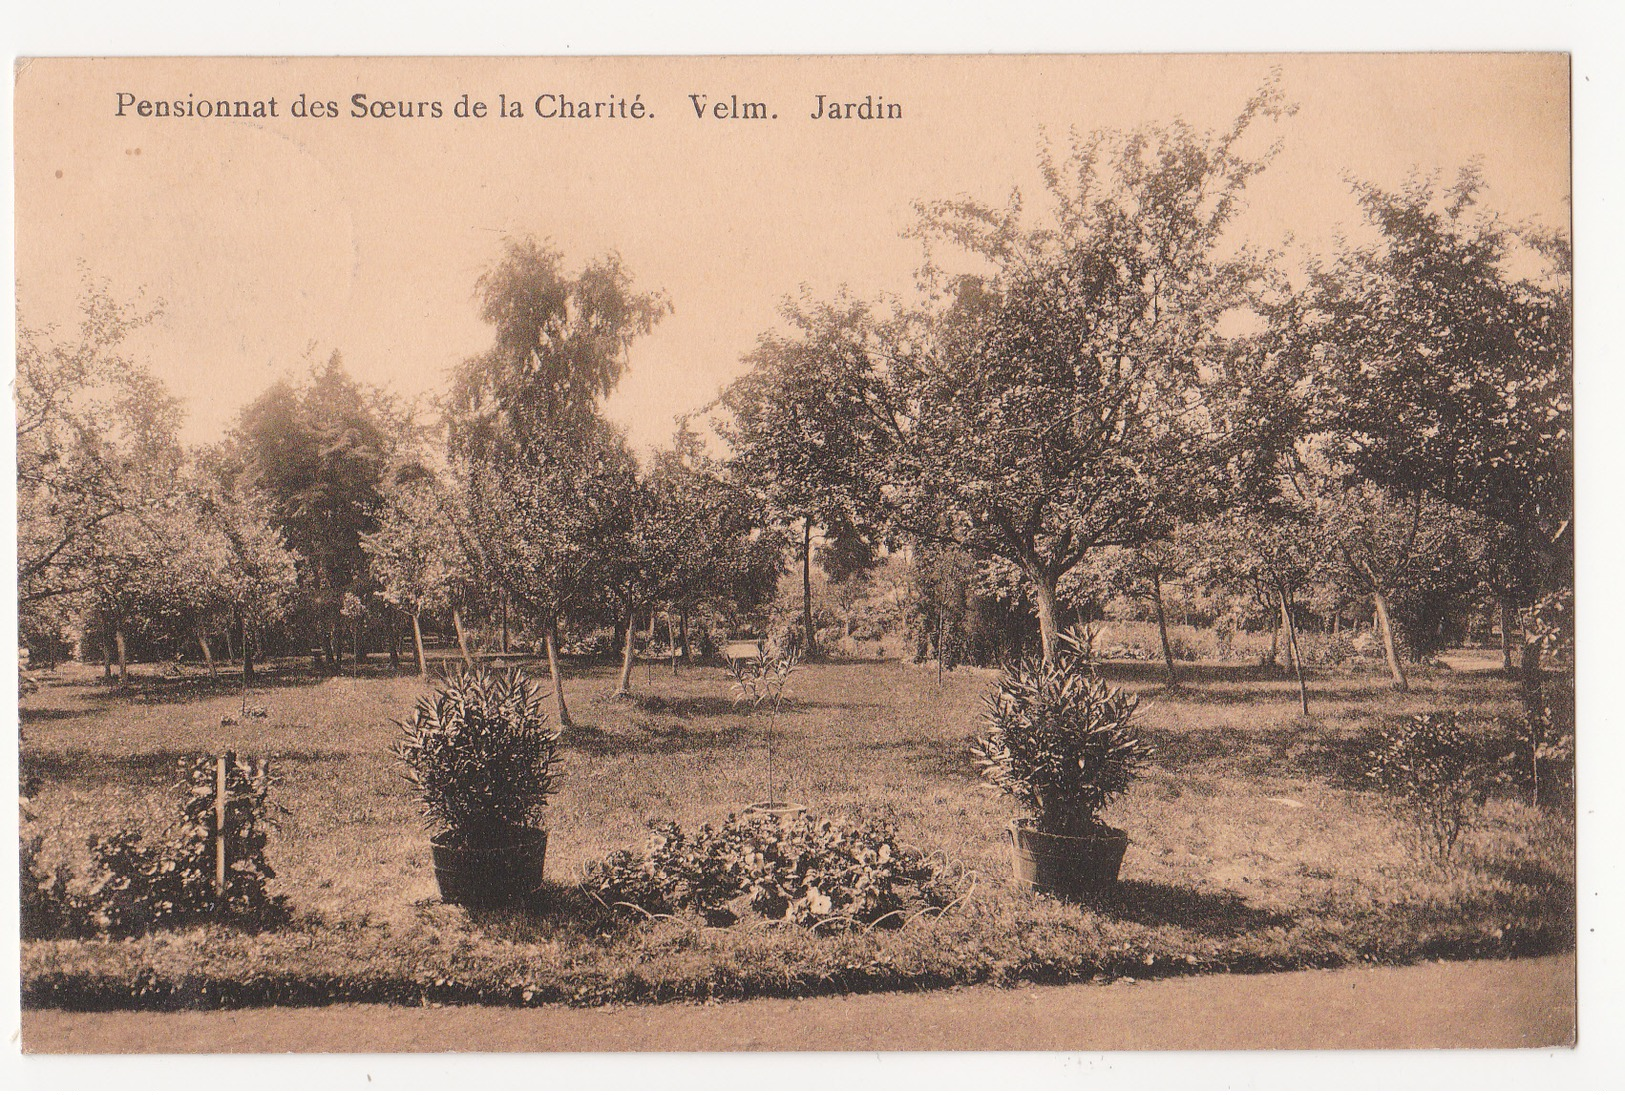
{"x": 1444, "y": 346}
{"x": 95, "y": 448}
{"x": 548, "y": 480}
{"x": 321, "y": 452}
{"x": 797, "y": 424}
{"x": 559, "y": 346}
{"x": 1050, "y": 398}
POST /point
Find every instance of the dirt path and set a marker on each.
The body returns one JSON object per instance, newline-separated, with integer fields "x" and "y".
{"x": 1524, "y": 1003}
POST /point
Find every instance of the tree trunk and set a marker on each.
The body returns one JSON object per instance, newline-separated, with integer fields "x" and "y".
{"x": 809, "y": 640}
{"x": 682, "y": 630}
{"x": 504, "y": 623}
{"x": 107, "y": 654}
{"x": 123, "y": 657}
{"x": 1162, "y": 630}
{"x": 627, "y": 655}
{"x": 462, "y": 636}
{"x": 394, "y": 640}
{"x": 1049, "y": 614}
{"x": 1506, "y": 636}
{"x": 671, "y": 641}
{"x": 1530, "y": 676}
{"x": 208, "y": 655}
{"x": 558, "y": 678}
{"x": 417, "y": 644}
{"x": 1390, "y": 650}
{"x": 1292, "y": 647}
{"x": 231, "y": 647}
{"x": 1275, "y": 645}
{"x": 246, "y": 641}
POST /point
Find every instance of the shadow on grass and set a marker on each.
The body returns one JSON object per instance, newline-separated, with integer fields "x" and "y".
{"x": 1158, "y": 904}
{"x": 159, "y": 764}
{"x": 687, "y": 707}
{"x": 598, "y": 741}
{"x": 557, "y": 909}
{"x": 927, "y": 756}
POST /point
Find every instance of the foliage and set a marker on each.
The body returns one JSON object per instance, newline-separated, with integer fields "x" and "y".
{"x": 559, "y": 346}
{"x": 1060, "y": 740}
{"x": 1041, "y": 404}
{"x": 321, "y": 454}
{"x": 1430, "y": 767}
{"x": 802, "y": 870}
{"x": 480, "y": 754}
{"x": 414, "y": 553}
{"x": 95, "y": 440}
{"x": 1442, "y": 369}
{"x": 139, "y": 884}
{"x": 762, "y": 679}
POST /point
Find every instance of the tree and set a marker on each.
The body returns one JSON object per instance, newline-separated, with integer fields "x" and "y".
{"x": 559, "y": 346}
{"x": 320, "y": 453}
{"x": 796, "y": 435}
{"x": 1272, "y": 551}
{"x": 540, "y": 464}
{"x": 415, "y": 554}
{"x": 95, "y": 443}
{"x": 1141, "y": 572}
{"x": 701, "y": 537}
{"x": 253, "y": 573}
{"x": 1049, "y": 399}
{"x": 1446, "y": 366}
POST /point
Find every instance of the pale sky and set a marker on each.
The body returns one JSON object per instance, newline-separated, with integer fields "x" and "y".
{"x": 268, "y": 237}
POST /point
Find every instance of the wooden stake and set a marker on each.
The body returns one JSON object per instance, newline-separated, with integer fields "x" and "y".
{"x": 220, "y": 765}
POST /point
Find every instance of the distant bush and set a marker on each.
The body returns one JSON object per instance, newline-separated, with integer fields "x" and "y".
{"x": 804, "y": 871}
{"x": 1431, "y": 768}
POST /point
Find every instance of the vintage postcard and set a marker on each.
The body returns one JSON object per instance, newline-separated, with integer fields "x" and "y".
{"x": 790, "y": 553}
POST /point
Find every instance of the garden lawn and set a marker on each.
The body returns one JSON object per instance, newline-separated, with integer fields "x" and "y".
{"x": 1254, "y": 845}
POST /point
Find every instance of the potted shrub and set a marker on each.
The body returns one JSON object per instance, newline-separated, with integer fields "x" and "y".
{"x": 1060, "y": 741}
{"x": 482, "y": 757}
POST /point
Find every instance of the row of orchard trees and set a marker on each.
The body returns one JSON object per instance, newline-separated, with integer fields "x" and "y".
{"x": 1119, "y": 374}
{"x": 328, "y": 518}
{"x": 1113, "y": 383}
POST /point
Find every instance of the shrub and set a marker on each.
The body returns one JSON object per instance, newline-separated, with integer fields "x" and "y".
{"x": 481, "y": 755}
{"x": 803, "y": 870}
{"x": 1430, "y": 767}
{"x": 139, "y": 884}
{"x": 1060, "y": 741}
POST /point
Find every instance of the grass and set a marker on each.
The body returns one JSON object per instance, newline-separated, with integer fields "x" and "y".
{"x": 1254, "y": 845}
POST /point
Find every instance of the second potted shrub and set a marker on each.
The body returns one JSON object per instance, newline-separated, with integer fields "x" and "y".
{"x": 1060, "y": 741}
{"x": 483, "y": 759}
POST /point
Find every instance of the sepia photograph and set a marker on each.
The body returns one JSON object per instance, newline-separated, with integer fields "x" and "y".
{"x": 627, "y": 554}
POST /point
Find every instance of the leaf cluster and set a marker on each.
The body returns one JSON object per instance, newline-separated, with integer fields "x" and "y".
{"x": 480, "y": 754}
{"x": 805, "y": 871}
{"x": 1429, "y": 765}
{"x": 140, "y": 883}
{"x": 1060, "y": 740}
